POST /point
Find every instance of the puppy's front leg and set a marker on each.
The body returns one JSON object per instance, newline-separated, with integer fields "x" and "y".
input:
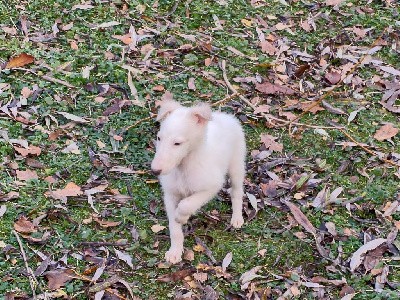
{"x": 189, "y": 205}
{"x": 174, "y": 254}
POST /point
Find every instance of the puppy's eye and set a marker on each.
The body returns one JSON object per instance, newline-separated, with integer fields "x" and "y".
{"x": 158, "y": 138}
{"x": 177, "y": 144}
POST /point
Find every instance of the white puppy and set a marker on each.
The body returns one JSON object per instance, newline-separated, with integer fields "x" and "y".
{"x": 196, "y": 149}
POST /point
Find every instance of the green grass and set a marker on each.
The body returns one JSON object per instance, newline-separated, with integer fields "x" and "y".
{"x": 271, "y": 229}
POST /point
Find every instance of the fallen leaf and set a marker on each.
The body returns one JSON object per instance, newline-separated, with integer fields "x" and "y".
{"x": 157, "y": 228}
{"x": 72, "y": 117}
{"x": 26, "y": 175}
{"x": 70, "y": 190}
{"x": 188, "y": 255}
{"x": 82, "y": 6}
{"x": 124, "y": 257}
{"x": 3, "y": 210}
{"x": 105, "y": 223}
{"x": 20, "y": 61}
{"x": 333, "y": 77}
{"x": 267, "y": 47}
{"x": 333, "y": 2}
{"x": 201, "y": 276}
{"x": 58, "y": 278}
{"x": 248, "y": 276}
{"x": 176, "y": 276}
{"x": 26, "y": 92}
{"x": 9, "y": 30}
{"x": 301, "y": 70}
{"x": 71, "y": 148}
{"x": 23, "y": 225}
{"x": 270, "y": 88}
{"x": 386, "y": 132}
{"x": 30, "y": 150}
{"x": 301, "y": 218}
{"x": 107, "y": 24}
{"x": 191, "y": 84}
{"x": 262, "y": 109}
{"x": 253, "y": 201}
{"x": 329, "y": 107}
{"x": 226, "y": 261}
{"x": 357, "y": 256}
{"x": 73, "y": 45}
{"x": 390, "y": 70}
{"x": 270, "y": 143}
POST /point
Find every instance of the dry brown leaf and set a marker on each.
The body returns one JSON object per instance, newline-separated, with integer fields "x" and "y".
{"x": 267, "y": 47}
{"x": 70, "y": 190}
{"x": 191, "y": 84}
{"x": 201, "y": 276}
{"x": 270, "y": 88}
{"x": 301, "y": 218}
{"x": 333, "y": 77}
{"x": 176, "y": 276}
{"x": 26, "y": 175}
{"x": 333, "y": 2}
{"x": 270, "y": 143}
{"x": 73, "y": 45}
{"x": 126, "y": 39}
{"x": 30, "y": 150}
{"x": 311, "y": 107}
{"x": 262, "y": 109}
{"x": 157, "y": 228}
{"x": 26, "y": 92}
{"x": 386, "y": 132}
{"x": 23, "y": 225}
{"x": 9, "y": 30}
{"x": 20, "y": 61}
{"x": 357, "y": 256}
{"x": 58, "y": 278}
{"x": 104, "y": 223}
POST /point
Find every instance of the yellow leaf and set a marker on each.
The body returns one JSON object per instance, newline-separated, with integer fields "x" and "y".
{"x": 246, "y": 22}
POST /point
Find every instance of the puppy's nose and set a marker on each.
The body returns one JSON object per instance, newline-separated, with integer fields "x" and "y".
{"x": 156, "y": 172}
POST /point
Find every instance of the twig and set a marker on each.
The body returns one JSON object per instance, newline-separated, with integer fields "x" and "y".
{"x": 48, "y": 78}
{"x": 32, "y": 278}
{"x": 137, "y": 123}
{"x": 226, "y": 99}
{"x": 366, "y": 149}
{"x": 97, "y": 244}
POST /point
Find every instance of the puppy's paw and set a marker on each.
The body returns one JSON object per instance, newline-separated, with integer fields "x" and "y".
{"x": 237, "y": 221}
{"x": 173, "y": 256}
{"x": 181, "y": 219}
{"x": 180, "y": 216}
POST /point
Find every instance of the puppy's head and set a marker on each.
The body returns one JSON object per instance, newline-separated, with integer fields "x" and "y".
{"x": 182, "y": 130}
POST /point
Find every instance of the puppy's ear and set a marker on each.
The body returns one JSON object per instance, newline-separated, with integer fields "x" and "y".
{"x": 166, "y": 107}
{"x": 202, "y": 113}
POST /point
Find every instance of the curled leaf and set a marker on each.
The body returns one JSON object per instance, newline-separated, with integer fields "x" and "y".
{"x": 357, "y": 257}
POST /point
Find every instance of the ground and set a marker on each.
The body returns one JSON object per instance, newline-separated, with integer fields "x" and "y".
{"x": 315, "y": 86}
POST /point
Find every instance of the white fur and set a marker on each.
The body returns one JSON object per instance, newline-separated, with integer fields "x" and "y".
{"x": 210, "y": 146}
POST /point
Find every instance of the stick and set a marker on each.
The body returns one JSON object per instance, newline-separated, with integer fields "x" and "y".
{"x": 97, "y": 244}
{"x": 366, "y": 149}
{"x": 137, "y": 123}
{"x": 32, "y": 278}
